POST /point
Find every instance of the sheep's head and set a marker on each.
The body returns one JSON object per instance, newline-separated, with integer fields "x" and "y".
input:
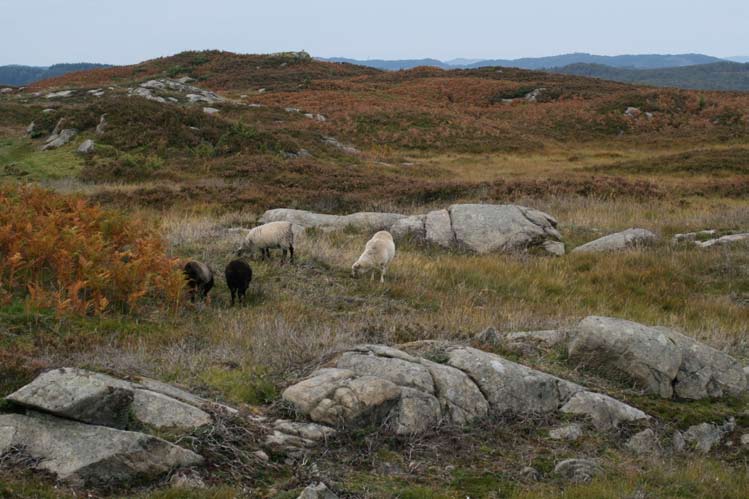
{"x": 245, "y": 247}
{"x": 355, "y": 269}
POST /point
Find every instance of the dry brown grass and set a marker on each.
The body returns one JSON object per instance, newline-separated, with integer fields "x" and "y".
{"x": 298, "y": 314}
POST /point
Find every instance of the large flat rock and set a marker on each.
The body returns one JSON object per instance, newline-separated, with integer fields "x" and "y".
{"x": 510, "y": 387}
{"x": 413, "y": 226}
{"x": 480, "y": 228}
{"x": 630, "y": 238}
{"x": 660, "y": 360}
{"x": 370, "y": 221}
{"x": 83, "y": 454}
{"x": 413, "y": 394}
{"x": 647, "y": 355}
{"x": 438, "y": 228}
{"x": 337, "y": 396}
{"x": 100, "y": 399}
{"x": 507, "y": 228}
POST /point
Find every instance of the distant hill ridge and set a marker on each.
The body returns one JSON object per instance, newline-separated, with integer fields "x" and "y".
{"x": 637, "y": 61}
{"x": 715, "y": 76}
{"x": 19, "y": 75}
{"x": 225, "y": 70}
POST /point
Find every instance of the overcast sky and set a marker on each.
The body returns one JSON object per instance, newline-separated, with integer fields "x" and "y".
{"x": 43, "y": 32}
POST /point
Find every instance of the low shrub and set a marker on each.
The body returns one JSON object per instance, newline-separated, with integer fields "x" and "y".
{"x": 61, "y": 252}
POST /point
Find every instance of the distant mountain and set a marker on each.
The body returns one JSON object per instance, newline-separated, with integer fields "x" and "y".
{"x": 391, "y": 65}
{"x": 716, "y": 76}
{"x": 739, "y": 58}
{"x": 462, "y": 62}
{"x": 642, "y": 61}
{"x": 23, "y": 75}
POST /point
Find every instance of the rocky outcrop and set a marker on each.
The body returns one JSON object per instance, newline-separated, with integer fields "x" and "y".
{"x": 317, "y": 491}
{"x": 644, "y": 442}
{"x": 692, "y": 236}
{"x": 724, "y": 240}
{"x": 479, "y": 228}
{"x": 345, "y": 148}
{"x": 83, "y": 454}
{"x": 368, "y": 221}
{"x": 412, "y": 393}
{"x": 525, "y": 343}
{"x": 103, "y": 400}
{"x": 533, "y": 95}
{"x": 335, "y": 396}
{"x": 630, "y": 238}
{"x": 569, "y": 432}
{"x": 59, "y": 139}
{"x": 86, "y": 147}
{"x": 413, "y": 226}
{"x": 605, "y": 412}
{"x": 62, "y": 94}
{"x": 167, "y": 90}
{"x": 703, "y": 239}
{"x": 578, "y": 470}
{"x": 507, "y": 228}
{"x": 438, "y": 229}
{"x": 660, "y": 360}
{"x": 294, "y": 438}
{"x": 102, "y": 126}
{"x": 705, "y": 436}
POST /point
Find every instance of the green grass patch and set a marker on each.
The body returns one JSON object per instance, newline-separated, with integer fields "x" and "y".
{"x": 241, "y": 386}
{"x": 21, "y": 159}
{"x": 685, "y": 414}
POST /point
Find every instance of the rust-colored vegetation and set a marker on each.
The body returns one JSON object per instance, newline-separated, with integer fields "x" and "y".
{"x": 61, "y": 252}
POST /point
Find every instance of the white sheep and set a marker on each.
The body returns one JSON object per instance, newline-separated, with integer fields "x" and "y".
{"x": 378, "y": 253}
{"x": 271, "y": 235}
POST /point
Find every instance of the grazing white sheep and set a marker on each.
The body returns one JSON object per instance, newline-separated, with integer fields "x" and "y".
{"x": 378, "y": 253}
{"x": 271, "y": 235}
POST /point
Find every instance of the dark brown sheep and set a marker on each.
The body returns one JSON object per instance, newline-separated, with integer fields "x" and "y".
{"x": 238, "y": 277}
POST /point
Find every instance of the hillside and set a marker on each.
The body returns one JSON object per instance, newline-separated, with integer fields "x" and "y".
{"x": 730, "y": 76}
{"x": 534, "y": 215}
{"x": 17, "y": 75}
{"x": 279, "y": 112}
{"x": 219, "y": 71}
{"x": 641, "y": 61}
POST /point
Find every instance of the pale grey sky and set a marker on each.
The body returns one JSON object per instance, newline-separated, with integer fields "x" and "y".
{"x": 43, "y": 32}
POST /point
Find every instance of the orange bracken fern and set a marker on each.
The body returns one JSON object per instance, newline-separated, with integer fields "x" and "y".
{"x": 60, "y": 252}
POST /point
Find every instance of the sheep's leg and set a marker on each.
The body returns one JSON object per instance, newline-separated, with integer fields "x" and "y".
{"x": 371, "y": 275}
{"x": 291, "y": 251}
{"x": 232, "y": 297}
{"x": 382, "y": 274}
{"x": 284, "y": 252}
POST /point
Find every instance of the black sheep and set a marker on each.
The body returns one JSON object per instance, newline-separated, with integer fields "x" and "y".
{"x": 238, "y": 277}
{"x": 199, "y": 279}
